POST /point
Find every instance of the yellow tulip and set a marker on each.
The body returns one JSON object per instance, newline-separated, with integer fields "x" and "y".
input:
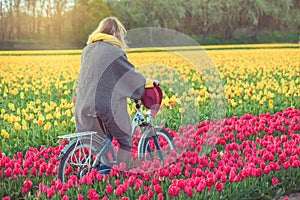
{"x": 49, "y": 116}
{"x": 24, "y": 127}
{"x": 253, "y": 98}
{"x": 271, "y": 106}
{"x": 17, "y": 126}
{"x": 40, "y": 122}
{"x": 11, "y": 106}
{"x": 233, "y": 104}
{"x": 47, "y": 126}
{"x": 68, "y": 113}
{"x": 22, "y": 95}
{"x": 181, "y": 110}
{"x": 5, "y": 116}
{"x": 4, "y": 133}
{"x": 11, "y": 119}
{"x": 64, "y": 123}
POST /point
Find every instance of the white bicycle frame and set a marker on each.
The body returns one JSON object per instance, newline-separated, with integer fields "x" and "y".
{"x": 138, "y": 119}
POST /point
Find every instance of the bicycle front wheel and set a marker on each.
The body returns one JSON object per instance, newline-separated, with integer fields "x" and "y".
{"x": 157, "y": 146}
{"x": 80, "y": 158}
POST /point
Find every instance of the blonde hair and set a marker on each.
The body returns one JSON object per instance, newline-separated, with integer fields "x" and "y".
{"x": 111, "y": 26}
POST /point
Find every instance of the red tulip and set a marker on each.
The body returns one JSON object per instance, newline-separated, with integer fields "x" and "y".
{"x": 27, "y": 186}
{"x": 122, "y": 166}
{"x": 138, "y": 184}
{"x": 173, "y": 191}
{"x": 157, "y": 189}
{"x": 201, "y": 186}
{"x": 160, "y": 196}
{"x": 150, "y": 193}
{"x": 8, "y": 172}
{"x": 109, "y": 189}
{"x": 80, "y": 197}
{"x": 275, "y": 181}
{"x": 50, "y": 193}
{"x": 119, "y": 191}
{"x": 295, "y": 163}
{"x": 92, "y": 194}
{"x": 267, "y": 169}
{"x": 210, "y": 180}
{"x": 143, "y": 197}
{"x": 188, "y": 190}
{"x": 117, "y": 182}
{"x": 65, "y": 197}
{"x": 219, "y": 186}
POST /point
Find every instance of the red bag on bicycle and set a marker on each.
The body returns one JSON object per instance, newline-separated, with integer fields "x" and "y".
{"x": 152, "y": 99}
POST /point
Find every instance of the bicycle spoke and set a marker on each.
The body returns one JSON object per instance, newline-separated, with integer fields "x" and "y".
{"x": 158, "y": 150}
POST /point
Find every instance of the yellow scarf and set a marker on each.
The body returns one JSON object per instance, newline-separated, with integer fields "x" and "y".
{"x": 106, "y": 38}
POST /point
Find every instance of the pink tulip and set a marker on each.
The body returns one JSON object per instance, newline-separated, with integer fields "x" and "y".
{"x": 150, "y": 193}
{"x": 8, "y": 172}
{"x": 117, "y": 182}
{"x": 119, "y": 191}
{"x": 173, "y": 191}
{"x": 50, "y": 193}
{"x": 109, "y": 189}
{"x": 143, "y": 197}
{"x": 27, "y": 186}
{"x": 65, "y": 197}
{"x": 188, "y": 190}
{"x": 219, "y": 186}
{"x": 201, "y": 186}
{"x": 157, "y": 189}
{"x": 92, "y": 194}
{"x": 122, "y": 166}
{"x": 160, "y": 196}
{"x": 275, "y": 181}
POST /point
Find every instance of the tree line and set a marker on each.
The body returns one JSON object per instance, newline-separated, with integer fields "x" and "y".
{"x": 67, "y": 23}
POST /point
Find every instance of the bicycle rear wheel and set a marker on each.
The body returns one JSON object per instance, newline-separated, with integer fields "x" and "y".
{"x": 158, "y": 148}
{"x": 79, "y": 158}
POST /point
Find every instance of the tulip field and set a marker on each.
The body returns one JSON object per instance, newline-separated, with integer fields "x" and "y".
{"x": 255, "y": 156}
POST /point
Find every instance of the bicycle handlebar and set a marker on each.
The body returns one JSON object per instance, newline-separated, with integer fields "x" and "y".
{"x": 137, "y": 104}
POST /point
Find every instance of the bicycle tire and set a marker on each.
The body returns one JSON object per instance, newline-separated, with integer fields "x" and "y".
{"x": 161, "y": 133}
{"x": 83, "y": 143}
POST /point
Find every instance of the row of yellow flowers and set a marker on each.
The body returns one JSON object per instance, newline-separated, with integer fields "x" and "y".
{"x": 281, "y": 63}
{"x": 206, "y": 47}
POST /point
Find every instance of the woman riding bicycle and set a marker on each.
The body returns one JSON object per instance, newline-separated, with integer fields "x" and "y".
{"x": 105, "y": 81}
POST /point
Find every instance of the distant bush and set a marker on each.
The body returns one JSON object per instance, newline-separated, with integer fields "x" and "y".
{"x": 244, "y": 36}
{"x": 277, "y": 37}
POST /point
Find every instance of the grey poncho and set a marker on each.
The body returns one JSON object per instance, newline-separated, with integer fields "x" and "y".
{"x": 105, "y": 81}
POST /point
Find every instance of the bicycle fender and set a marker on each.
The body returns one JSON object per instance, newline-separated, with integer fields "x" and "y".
{"x": 63, "y": 152}
{"x": 149, "y": 132}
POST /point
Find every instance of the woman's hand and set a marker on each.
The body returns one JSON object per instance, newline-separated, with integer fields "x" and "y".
{"x": 155, "y": 82}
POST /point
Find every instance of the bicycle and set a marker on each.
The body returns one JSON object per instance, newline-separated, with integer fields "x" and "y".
{"x": 89, "y": 150}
